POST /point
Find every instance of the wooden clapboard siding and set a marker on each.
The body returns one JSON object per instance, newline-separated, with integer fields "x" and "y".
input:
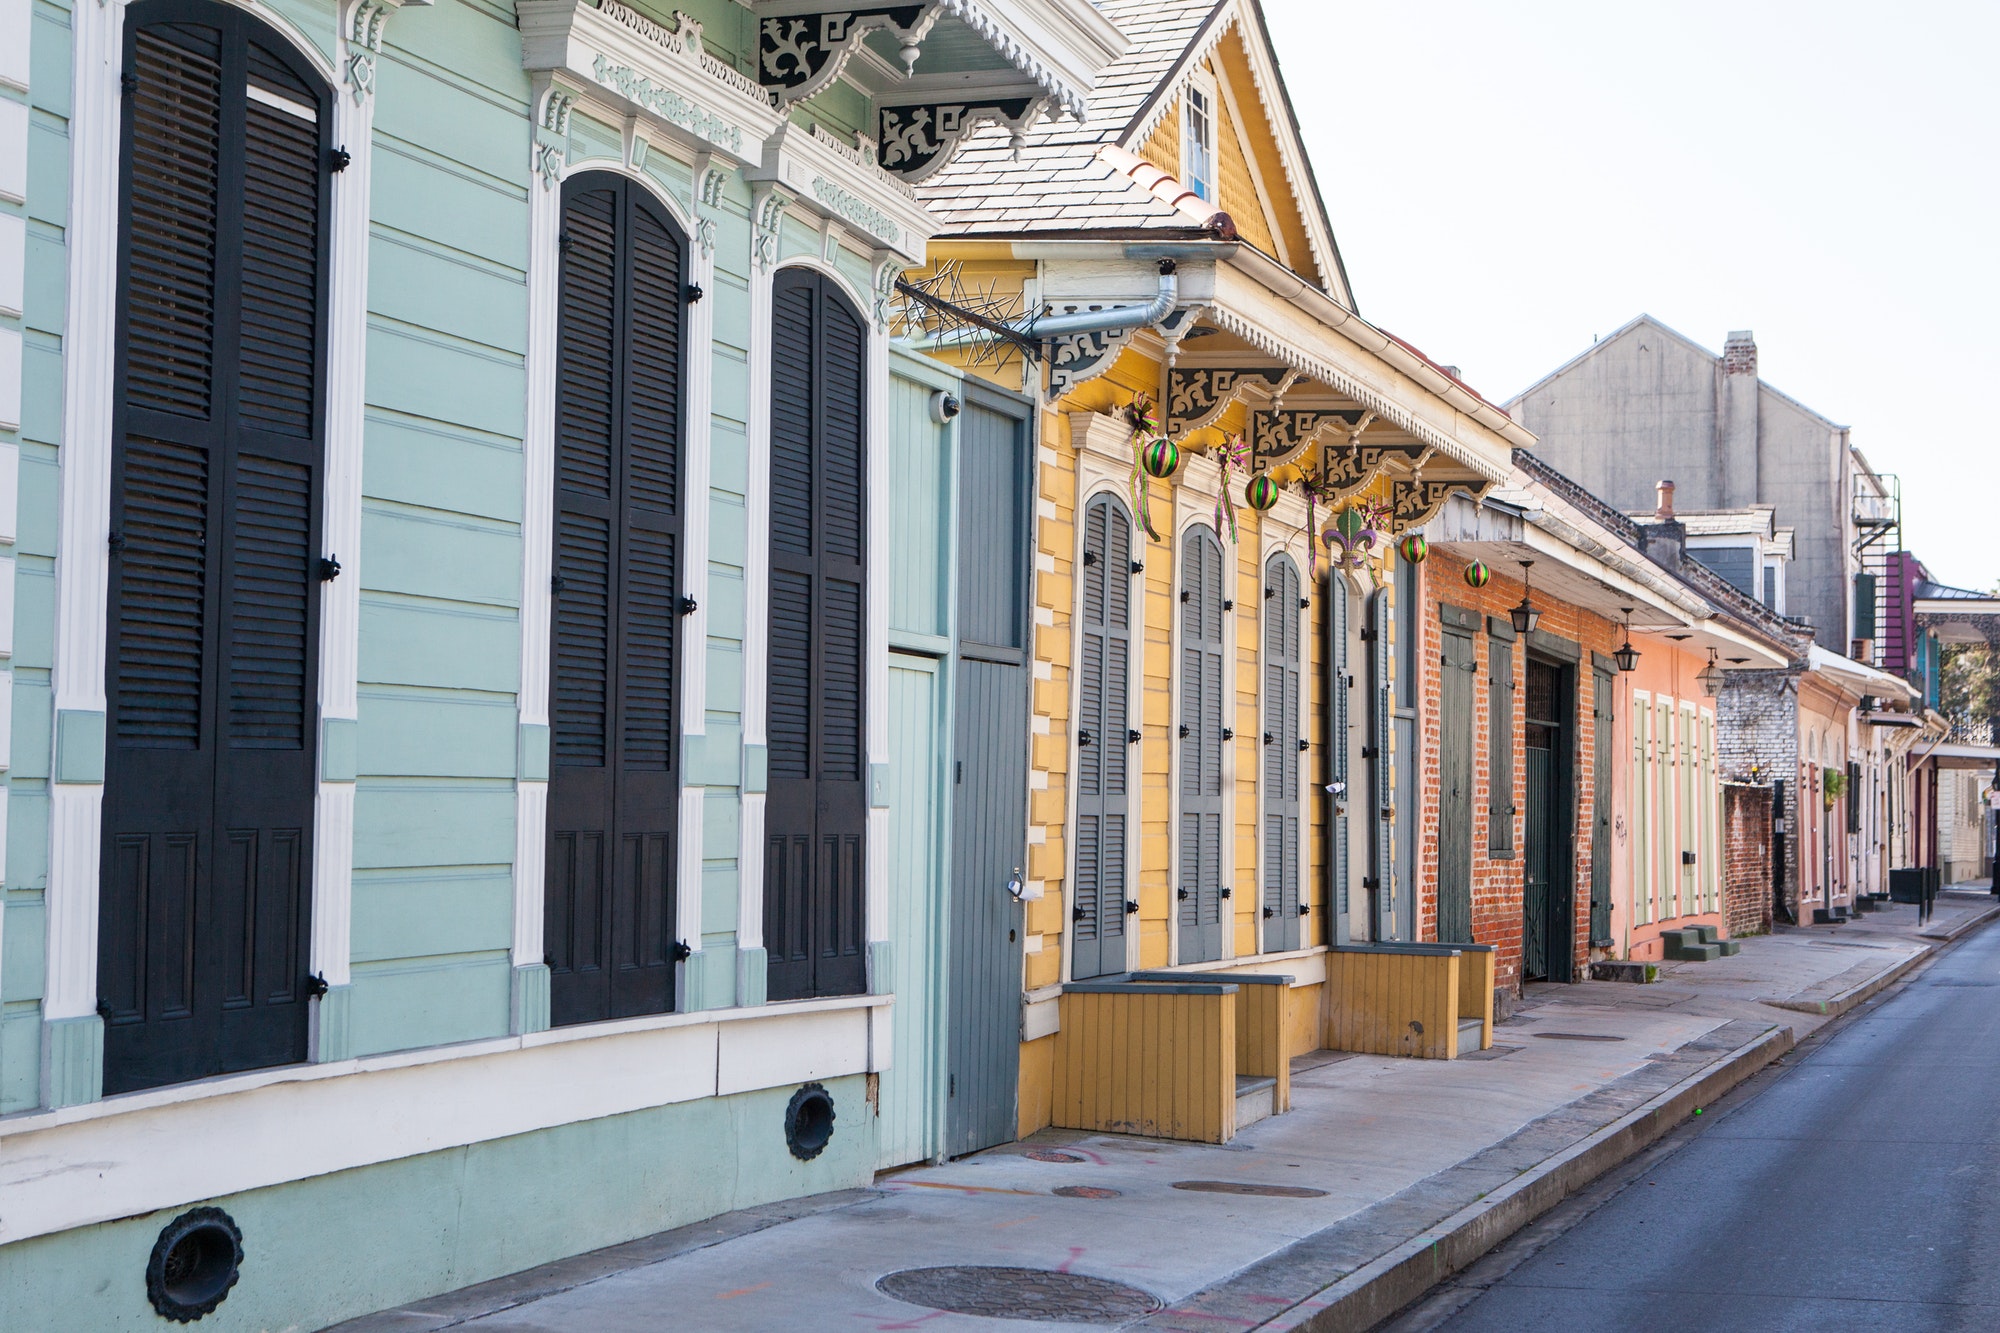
{"x": 1265, "y": 1005}
{"x": 1158, "y": 1060}
{"x": 1393, "y": 1002}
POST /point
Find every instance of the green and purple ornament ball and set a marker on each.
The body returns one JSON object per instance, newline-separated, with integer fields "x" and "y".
{"x": 1260, "y": 492}
{"x": 1413, "y": 548}
{"x": 1160, "y": 458}
{"x": 1477, "y": 573}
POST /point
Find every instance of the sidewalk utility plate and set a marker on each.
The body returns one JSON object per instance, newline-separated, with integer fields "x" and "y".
{"x": 1050, "y": 1155}
{"x": 1574, "y": 1036}
{"x": 1246, "y": 1187}
{"x": 1086, "y": 1192}
{"x": 1036, "y": 1294}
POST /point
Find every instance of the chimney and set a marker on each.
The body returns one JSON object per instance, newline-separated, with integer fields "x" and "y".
{"x": 1665, "y": 539}
{"x": 1736, "y": 423}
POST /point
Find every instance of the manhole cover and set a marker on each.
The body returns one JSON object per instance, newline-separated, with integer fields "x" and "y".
{"x": 1086, "y": 1192}
{"x": 1245, "y": 1187}
{"x": 1035, "y": 1294}
{"x": 1050, "y": 1155}
{"x": 1574, "y": 1036}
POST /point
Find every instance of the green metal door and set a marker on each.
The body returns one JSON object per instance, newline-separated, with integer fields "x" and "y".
{"x": 1455, "y": 691}
{"x": 1535, "y": 891}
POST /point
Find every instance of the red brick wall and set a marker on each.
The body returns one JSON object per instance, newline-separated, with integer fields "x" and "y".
{"x": 1746, "y": 858}
{"x": 1497, "y": 882}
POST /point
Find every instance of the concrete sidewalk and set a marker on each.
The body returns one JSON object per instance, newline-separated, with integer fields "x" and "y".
{"x": 1387, "y": 1175}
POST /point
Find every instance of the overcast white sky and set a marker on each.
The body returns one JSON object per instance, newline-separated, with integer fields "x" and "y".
{"x": 1507, "y": 179}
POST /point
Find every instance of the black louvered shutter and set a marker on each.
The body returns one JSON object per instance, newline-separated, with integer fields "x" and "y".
{"x": 1282, "y": 620}
{"x": 1103, "y": 756}
{"x": 1198, "y": 895}
{"x": 816, "y": 812}
{"x": 614, "y": 792}
{"x": 212, "y": 644}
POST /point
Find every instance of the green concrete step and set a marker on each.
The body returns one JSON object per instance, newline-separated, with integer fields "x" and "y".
{"x": 1730, "y": 948}
{"x": 1708, "y": 934}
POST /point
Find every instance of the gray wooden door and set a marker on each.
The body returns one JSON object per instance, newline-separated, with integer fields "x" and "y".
{"x": 1455, "y": 692}
{"x": 1104, "y": 606}
{"x": 1602, "y": 715}
{"x": 1202, "y": 735}
{"x": 990, "y": 787}
{"x": 1549, "y": 844}
{"x": 1283, "y": 617}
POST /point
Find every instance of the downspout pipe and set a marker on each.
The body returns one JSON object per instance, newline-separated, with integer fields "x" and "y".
{"x": 1116, "y": 317}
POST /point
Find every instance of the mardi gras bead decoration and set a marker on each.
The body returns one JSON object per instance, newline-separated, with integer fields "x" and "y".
{"x": 1477, "y": 573}
{"x": 1413, "y": 548}
{"x": 1145, "y": 427}
{"x": 1160, "y": 457}
{"x": 1231, "y": 453}
{"x": 1260, "y": 492}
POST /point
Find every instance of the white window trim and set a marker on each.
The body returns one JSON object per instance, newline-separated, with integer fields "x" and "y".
{"x": 538, "y": 549}
{"x": 757, "y": 598}
{"x": 82, "y": 546}
{"x": 1201, "y": 81}
{"x": 1282, "y": 530}
{"x": 1102, "y": 447}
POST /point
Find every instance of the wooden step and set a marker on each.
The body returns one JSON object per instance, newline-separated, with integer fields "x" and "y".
{"x": 1470, "y": 1031}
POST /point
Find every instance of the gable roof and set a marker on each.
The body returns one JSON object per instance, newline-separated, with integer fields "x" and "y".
{"x": 1060, "y": 185}
{"x": 1645, "y": 321}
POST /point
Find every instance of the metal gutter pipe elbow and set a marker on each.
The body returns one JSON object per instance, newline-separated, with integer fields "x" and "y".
{"x": 1115, "y": 317}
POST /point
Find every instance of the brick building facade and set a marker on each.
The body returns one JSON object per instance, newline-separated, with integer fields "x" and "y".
{"x": 1498, "y": 886}
{"x": 1746, "y": 860}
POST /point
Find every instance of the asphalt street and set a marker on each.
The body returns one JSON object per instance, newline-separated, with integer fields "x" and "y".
{"x": 1857, "y": 1189}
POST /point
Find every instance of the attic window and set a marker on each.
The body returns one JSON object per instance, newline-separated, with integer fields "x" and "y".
{"x": 1198, "y": 141}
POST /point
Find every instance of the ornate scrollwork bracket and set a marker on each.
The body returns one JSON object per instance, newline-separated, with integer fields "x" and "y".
{"x": 1282, "y": 434}
{"x": 799, "y": 54}
{"x": 1198, "y": 395}
{"x": 364, "y": 43}
{"x": 550, "y": 148}
{"x": 1415, "y": 500}
{"x": 767, "y": 215}
{"x": 1076, "y": 357}
{"x": 919, "y": 138}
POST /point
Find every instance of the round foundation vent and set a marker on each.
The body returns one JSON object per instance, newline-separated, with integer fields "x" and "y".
{"x": 195, "y": 1262}
{"x": 809, "y": 1122}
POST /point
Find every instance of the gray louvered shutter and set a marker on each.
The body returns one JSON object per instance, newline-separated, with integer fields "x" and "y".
{"x": 1283, "y": 617}
{"x": 1339, "y": 682}
{"x": 212, "y": 653}
{"x": 1103, "y": 754}
{"x": 1198, "y": 895}
{"x": 1381, "y": 721}
{"x": 817, "y": 806}
{"x": 614, "y": 794}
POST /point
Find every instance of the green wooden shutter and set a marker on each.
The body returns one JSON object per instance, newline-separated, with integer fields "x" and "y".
{"x": 1103, "y": 755}
{"x": 1198, "y": 894}
{"x": 1283, "y": 616}
{"x": 1500, "y": 691}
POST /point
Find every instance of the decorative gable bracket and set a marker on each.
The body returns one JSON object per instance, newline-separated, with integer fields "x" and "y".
{"x": 1415, "y": 500}
{"x": 917, "y": 139}
{"x": 1075, "y": 358}
{"x": 799, "y": 54}
{"x": 1198, "y": 395}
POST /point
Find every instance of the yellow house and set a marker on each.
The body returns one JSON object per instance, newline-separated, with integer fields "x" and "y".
{"x": 1227, "y": 455}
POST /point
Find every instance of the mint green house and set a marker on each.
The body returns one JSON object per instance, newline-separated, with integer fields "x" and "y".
{"x": 494, "y": 633}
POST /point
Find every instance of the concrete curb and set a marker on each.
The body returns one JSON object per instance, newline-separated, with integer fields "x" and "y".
{"x": 1963, "y": 926}
{"x": 1836, "y": 1005}
{"x": 1378, "y": 1289}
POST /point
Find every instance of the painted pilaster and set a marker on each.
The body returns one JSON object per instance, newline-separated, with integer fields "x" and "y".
{"x": 16, "y": 20}
{"x": 538, "y": 461}
{"x": 361, "y": 29}
{"x": 73, "y": 1040}
{"x": 699, "y": 376}
{"x": 881, "y": 973}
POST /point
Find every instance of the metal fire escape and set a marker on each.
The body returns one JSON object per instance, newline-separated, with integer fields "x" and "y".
{"x": 1878, "y": 534}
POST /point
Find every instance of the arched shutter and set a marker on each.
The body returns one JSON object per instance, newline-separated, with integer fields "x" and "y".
{"x": 614, "y": 790}
{"x": 1283, "y": 617}
{"x": 1198, "y": 895}
{"x": 212, "y": 641}
{"x": 1103, "y": 753}
{"x": 816, "y": 810}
